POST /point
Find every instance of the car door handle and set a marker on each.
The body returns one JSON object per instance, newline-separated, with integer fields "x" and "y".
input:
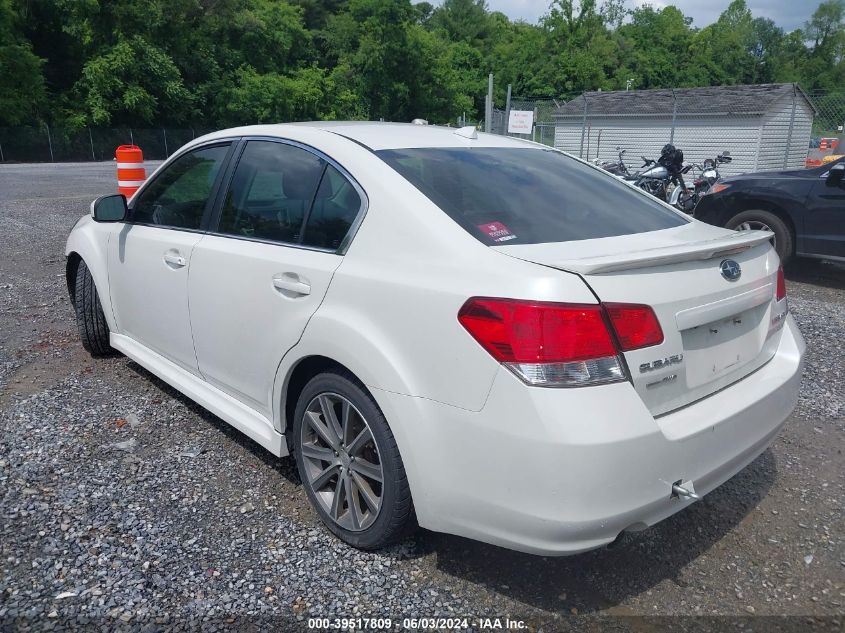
{"x": 174, "y": 259}
{"x": 291, "y": 283}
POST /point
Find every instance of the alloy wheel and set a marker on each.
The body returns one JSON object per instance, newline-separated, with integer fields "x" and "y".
{"x": 342, "y": 463}
{"x": 757, "y": 225}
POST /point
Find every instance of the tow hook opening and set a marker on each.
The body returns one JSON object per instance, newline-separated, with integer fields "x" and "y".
{"x": 683, "y": 490}
{"x": 627, "y": 535}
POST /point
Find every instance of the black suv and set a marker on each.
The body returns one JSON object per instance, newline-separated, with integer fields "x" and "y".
{"x": 804, "y": 208}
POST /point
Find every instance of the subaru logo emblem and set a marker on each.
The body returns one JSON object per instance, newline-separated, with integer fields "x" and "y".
{"x": 730, "y": 269}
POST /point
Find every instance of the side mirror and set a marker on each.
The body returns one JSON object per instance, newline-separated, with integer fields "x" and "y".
{"x": 111, "y": 208}
{"x": 836, "y": 174}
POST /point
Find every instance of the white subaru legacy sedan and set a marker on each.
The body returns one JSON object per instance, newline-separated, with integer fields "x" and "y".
{"x": 470, "y": 333}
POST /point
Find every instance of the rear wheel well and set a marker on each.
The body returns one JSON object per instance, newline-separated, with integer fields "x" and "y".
{"x": 71, "y": 267}
{"x": 304, "y": 371}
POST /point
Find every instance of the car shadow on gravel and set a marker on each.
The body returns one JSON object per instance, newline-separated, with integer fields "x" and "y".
{"x": 603, "y": 579}
{"x": 285, "y": 467}
{"x": 595, "y": 581}
{"x": 817, "y": 272}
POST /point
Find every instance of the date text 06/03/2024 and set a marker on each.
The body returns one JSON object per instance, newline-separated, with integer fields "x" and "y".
{"x": 416, "y": 624}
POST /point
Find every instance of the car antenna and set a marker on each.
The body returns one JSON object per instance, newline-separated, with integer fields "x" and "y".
{"x": 467, "y": 131}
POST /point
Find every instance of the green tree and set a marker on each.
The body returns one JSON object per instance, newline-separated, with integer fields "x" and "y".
{"x": 720, "y": 52}
{"x": 132, "y": 82}
{"x": 582, "y": 53}
{"x": 823, "y": 66}
{"x": 271, "y": 98}
{"x": 654, "y": 45}
{"x": 462, "y": 21}
{"x": 23, "y": 97}
{"x": 225, "y": 62}
{"x": 766, "y": 49}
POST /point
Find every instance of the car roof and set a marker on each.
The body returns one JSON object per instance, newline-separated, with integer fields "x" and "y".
{"x": 376, "y": 135}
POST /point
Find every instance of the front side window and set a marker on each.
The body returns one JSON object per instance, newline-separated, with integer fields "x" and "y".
{"x": 527, "y": 196}
{"x": 178, "y": 196}
{"x": 272, "y": 189}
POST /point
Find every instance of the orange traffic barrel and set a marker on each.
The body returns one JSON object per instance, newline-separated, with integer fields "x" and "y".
{"x": 130, "y": 169}
{"x": 823, "y": 144}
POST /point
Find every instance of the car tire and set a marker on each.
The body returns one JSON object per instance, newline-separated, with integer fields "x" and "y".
{"x": 93, "y": 328}
{"x": 352, "y": 465}
{"x": 766, "y": 220}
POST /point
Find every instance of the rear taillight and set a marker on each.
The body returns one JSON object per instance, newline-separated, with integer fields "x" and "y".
{"x": 781, "y": 291}
{"x": 780, "y": 309}
{"x": 636, "y": 326}
{"x": 558, "y": 344}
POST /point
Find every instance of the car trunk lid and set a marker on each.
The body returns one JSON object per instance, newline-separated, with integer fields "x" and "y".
{"x": 716, "y": 330}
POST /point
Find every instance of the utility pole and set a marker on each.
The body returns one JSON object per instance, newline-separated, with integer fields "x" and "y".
{"x": 488, "y": 115}
{"x": 508, "y": 110}
{"x": 50, "y": 143}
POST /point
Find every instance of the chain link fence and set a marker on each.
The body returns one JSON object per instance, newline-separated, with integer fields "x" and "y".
{"x": 827, "y": 126}
{"x": 32, "y": 145}
{"x": 763, "y": 127}
{"x": 543, "y": 129}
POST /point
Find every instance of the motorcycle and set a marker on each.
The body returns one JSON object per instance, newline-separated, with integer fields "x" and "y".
{"x": 618, "y": 167}
{"x": 686, "y": 199}
{"x": 658, "y": 175}
{"x": 664, "y": 178}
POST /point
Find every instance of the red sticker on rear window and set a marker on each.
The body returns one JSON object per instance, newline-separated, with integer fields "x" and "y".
{"x": 497, "y": 231}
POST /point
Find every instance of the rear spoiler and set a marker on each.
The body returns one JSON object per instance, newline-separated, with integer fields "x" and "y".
{"x": 707, "y": 249}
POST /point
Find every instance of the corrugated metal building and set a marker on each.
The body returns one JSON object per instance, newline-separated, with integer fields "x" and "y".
{"x": 764, "y": 126}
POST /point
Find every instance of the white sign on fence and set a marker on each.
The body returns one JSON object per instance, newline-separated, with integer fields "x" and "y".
{"x": 520, "y": 121}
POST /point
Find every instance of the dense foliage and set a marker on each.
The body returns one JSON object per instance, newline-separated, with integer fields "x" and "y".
{"x": 223, "y": 62}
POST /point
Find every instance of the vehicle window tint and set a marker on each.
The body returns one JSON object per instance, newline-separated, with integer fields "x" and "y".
{"x": 528, "y": 196}
{"x": 335, "y": 208}
{"x": 178, "y": 195}
{"x": 271, "y": 191}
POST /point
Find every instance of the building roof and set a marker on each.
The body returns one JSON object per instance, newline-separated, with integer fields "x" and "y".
{"x": 707, "y": 101}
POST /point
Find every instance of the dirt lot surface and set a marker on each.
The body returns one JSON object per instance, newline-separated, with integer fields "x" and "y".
{"x": 123, "y": 504}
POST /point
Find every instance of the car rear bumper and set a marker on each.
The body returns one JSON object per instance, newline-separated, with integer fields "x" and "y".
{"x": 561, "y": 471}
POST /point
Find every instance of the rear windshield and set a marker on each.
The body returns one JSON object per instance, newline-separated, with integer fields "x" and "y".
{"x": 527, "y": 196}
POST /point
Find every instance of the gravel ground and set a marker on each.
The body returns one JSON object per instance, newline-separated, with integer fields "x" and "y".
{"x": 125, "y": 505}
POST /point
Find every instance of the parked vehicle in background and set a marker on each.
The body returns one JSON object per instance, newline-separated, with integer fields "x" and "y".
{"x": 804, "y": 209}
{"x": 686, "y": 199}
{"x": 617, "y": 167}
{"x": 458, "y": 330}
{"x": 664, "y": 178}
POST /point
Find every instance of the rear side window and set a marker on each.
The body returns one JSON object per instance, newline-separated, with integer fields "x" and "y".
{"x": 178, "y": 195}
{"x": 271, "y": 192}
{"x": 527, "y": 196}
{"x": 335, "y": 207}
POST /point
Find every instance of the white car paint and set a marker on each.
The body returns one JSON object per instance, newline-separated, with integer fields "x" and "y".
{"x": 238, "y": 350}
{"x": 142, "y": 285}
{"x": 543, "y": 470}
